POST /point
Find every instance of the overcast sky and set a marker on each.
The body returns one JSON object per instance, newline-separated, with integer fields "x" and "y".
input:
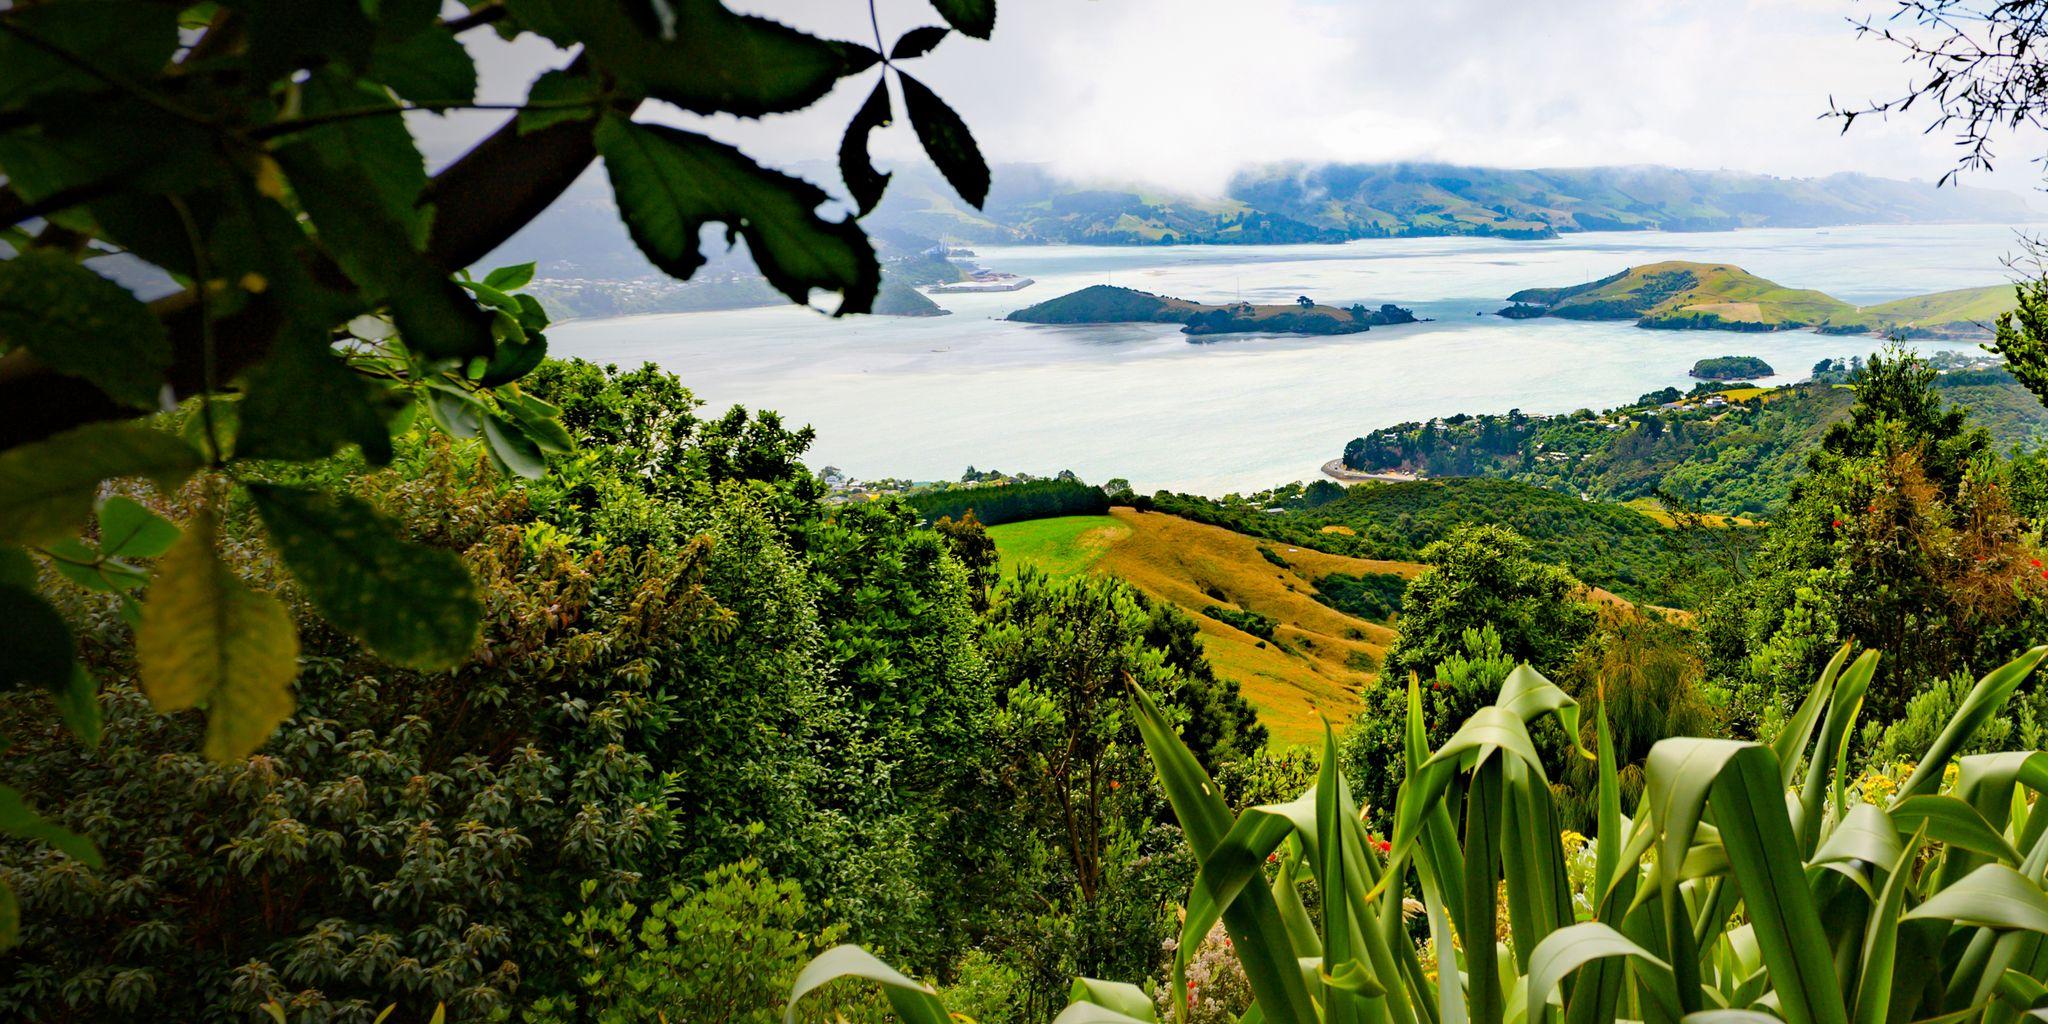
{"x": 1182, "y": 92}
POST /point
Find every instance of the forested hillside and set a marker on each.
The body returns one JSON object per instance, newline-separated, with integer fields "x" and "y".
{"x": 1722, "y": 450}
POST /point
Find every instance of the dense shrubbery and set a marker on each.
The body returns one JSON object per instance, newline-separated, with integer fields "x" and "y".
{"x": 689, "y": 662}
{"x": 1374, "y": 596}
{"x": 1009, "y": 503}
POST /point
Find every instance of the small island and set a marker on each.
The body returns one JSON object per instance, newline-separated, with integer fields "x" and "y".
{"x": 1108, "y": 304}
{"x": 1732, "y": 368}
{"x": 899, "y": 299}
{"x": 1684, "y": 296}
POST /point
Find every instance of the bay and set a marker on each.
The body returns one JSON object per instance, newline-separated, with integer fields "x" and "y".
{"x": 924, "y": 398}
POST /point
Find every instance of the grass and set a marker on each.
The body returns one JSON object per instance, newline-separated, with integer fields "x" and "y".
{"x": 1961, "y": 306}
{"x": 1060, "y": 547}
{"x": 1651, "y": 508}
{"x": 1309, "y": 671}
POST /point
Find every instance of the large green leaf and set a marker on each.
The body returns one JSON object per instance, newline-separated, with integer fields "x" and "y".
{"x": 1881, "y": 937}
{"x": 79, "y": 323}
{"x": 428, "y": 66}
{"x": 131, "y": 39}
{"x": 856, "y": 168}
{"x": 1253, "y": 920}
{"x": 206, "y": 638}
{"x": 128, "y": 530}
{"x": 1983, "y": 701}
{"x": 1123, "y": 998}
{"x": 1566, "y": 950}
{"x": 412, "y": 604}
{"x": 351, "y": 205}
{"x": 17, "y": 819}
{"x": 36, "y": 647}
{"x": 946, "y": 141}
{"x": 697, "y": 54}
{"x": 1993, "y": 896}
{"x": 1954, "y": 822}
{"x": 379, "y": 148}
{"x": 303, "y": 403}
{"x": 671, "y": 183}
{"x": 976, "y": 18}
{"x": 913, "y": 1001}
{"x": 47, "y": 488}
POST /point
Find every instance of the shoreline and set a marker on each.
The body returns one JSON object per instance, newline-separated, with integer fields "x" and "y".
{"x": 1334, "y": 469}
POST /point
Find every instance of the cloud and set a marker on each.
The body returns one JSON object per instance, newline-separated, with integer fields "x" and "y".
{"x": 1180, "y": 93}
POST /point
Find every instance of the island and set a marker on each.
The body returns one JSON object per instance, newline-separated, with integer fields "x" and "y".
{"x": 1109, "y": 304}
{"x": 1732, "y": 368}
{"x": 1680, "y": 295}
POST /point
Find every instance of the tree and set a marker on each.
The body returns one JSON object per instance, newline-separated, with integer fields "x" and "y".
{"x": 1484, "y": 575}
{"x": 258, "y": 156}
{"x": 1304, "y": 302}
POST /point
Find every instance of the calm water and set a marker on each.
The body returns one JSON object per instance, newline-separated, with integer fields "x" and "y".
{"x": 924, "y": 398}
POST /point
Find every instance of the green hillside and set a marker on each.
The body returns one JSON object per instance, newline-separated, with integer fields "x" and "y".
{"x": 1680, "y": 295}
{"x": 1962, "y": 311}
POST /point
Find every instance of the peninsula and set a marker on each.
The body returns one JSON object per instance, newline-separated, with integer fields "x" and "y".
{"x": 1678, "y": 295}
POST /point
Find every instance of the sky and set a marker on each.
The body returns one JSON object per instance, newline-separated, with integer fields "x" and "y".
{"x": 1181, "y": 93}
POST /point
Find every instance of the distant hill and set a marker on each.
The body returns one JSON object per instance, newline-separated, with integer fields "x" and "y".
{"x": 1368, "y": 200}
{"x": 1293, "y": 203}
{"x": 1109, "y": 304}
{"x": 1679, "y": 295}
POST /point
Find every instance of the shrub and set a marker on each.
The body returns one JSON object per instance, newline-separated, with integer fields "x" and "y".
{"x": 1751, "y": 881}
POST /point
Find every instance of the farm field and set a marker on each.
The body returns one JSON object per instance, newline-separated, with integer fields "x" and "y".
{"x": 1319, "y": 657}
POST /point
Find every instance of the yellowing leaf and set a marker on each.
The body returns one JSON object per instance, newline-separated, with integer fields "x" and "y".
{"x": 206, "y": 638}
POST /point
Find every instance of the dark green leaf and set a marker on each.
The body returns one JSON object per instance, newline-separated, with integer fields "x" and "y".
{"x": 36, "y": 647}
{"x": 917, "y": 42}
{"x": 304, "y": 403}
{"x": 412, "y": 604}
{"x": 358, "y": 227}
{"x": 514, "y": 359}
{"x": 515, "y": 451}
{"x": 699, "y": 55}
{"x": 946, "y": 140}
{"x": 78, "y": 704}
{"x": 16, "y": 819}
{"x": 129, "y": 530}
{"x": 287, "y": 36}
{"x": 510, "y": 279}
{"x": 671, "y": 183}
{"x": 130, "y": 39}
{"x": 976, "y": 18}
{"x": 540, "y": 421}
{"x": 47, "y": 488}
{"x": 429, "y": 66}
{"x": 82, "y": 324}
{"x": 556, "y": 97}
{"x": 78, "y": 562}
{"x": 378, "y": 148}
{"x": 855, "y": 167}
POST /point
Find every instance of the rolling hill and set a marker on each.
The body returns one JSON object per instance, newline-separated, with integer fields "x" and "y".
{"x": 1318, "y": 656}
{"x": 1680, "y": 295}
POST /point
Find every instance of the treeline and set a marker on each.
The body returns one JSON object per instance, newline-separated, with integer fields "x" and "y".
{"x": 1736, "y": 458}
{"x": 1010, "y": 503}
{"x": 1605, "y": 544}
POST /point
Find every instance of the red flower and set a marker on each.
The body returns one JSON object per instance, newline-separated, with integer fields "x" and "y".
{"x": 2037, "y": 563}
{"x": 1113, "y": 784}
{"x": 1838, "y": 524}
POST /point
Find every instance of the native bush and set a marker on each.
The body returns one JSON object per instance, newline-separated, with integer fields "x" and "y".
{"x": 1752, "y": 882}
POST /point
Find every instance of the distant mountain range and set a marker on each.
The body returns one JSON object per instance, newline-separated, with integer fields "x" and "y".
{"x": 1340, "y": 202}
{"x": 581, "y": 246}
